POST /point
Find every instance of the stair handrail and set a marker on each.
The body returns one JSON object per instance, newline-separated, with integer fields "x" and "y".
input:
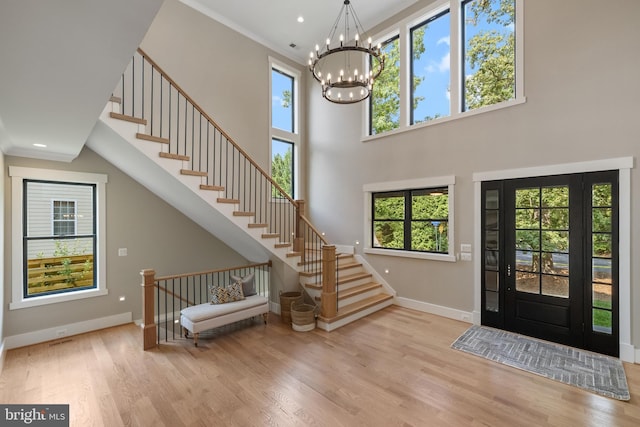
{"x": 216, "y": 125}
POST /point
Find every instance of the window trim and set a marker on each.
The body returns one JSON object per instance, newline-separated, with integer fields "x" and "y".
{"x": 413, "y": 184}
{"x": 279, "y": 134}
{"x": 18, "y": 175}
{"x": 457, "y": 64}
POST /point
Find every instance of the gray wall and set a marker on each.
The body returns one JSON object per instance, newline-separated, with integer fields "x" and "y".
{"x": 581, "y": 65}
{"x": 155, "y": 234}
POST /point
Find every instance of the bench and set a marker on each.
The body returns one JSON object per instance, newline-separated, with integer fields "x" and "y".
{"x": 202, "y": 317}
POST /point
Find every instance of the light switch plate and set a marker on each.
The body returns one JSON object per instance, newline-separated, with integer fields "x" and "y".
{"x": 465, "y": 247}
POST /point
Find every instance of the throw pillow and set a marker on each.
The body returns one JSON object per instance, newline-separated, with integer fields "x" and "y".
{"x": 248, "y": 285}
{"x": 224, "y": 294}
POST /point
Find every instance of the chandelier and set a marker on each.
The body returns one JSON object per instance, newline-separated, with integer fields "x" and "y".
{"x": 339, "y": 63}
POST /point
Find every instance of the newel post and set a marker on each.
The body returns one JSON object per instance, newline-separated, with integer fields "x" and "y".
{"x": 329, "y": 302}
{"x": 298, "y": 241}
{"x": 148, "y": 317}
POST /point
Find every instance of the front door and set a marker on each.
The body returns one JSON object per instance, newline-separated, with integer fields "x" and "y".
{"x": 550, "y": 264}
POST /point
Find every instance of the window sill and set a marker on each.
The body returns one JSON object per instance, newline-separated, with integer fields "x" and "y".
{"x": 56, "y": 298}
{"x": 409, "y": 254}
{"x": 456, "y": 116}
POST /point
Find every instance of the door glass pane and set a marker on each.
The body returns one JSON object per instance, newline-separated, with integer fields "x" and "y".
{"x": 601, "y": 219}
{"x": 601, "y": 194}
{"x": 601, "y": 295}
{"x": 491, "y": 259}
{"x": 555, "y": 263}
{"x": 602, "y": 321}
{"x": 527, "y": 282}
{"x": 528, "y": 198}
{"x": 555, "y": 197}
{"x": 491, "y": 301}
{"x": 555, "y": 286}
{"x": 491, "y": 240}
{"x": 527, "y": 218}
{"x": 492, "y": 199}
{"x": 555, "y": 241}
{"x": 528, "y": 240}
{"x": 601, "y": 270}
{"x": 601, "y": 245}
{"x": 555, "y": 219}
{"x": 524, "y": 261}
{"x": 491, "y": 281}
{"x": 491, "y": 220}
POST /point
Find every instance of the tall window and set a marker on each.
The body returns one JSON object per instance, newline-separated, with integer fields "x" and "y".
{"x": 449, "y": 60}
{"x": 489, "y": 52}
{"x": 284, "y": 128}
{"x": 385, "y": 97}
{"x": 58, "y": 252}
{"x": 411, "y": 220}
{"x": 430, "y": 68}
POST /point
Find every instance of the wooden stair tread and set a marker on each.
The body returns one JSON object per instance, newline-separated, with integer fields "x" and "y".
{"x": 152, "y": 138}
{"x": 243, "y": 213}
{"x": 230, "y": 201}
{"x": 192, "y": 172}
{"x": 353, "y": 277}
{"x": 350, "y": 309}
{"x": 293, "y": 254}
{"x": 347, "y": 293}
{"x": 115, "y": 99}
{"x": 270, "y": 235}
{"x": 259, "y": 225}
{"x": 174, "y": 156}
{"x": 211, "y": 187}
{"x": 282, "y": 245}
{"x": 128, "y": 118}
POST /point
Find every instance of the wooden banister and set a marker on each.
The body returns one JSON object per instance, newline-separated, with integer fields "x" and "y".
{"x": 283, "y": 193}
{"x": 148, "y": 317}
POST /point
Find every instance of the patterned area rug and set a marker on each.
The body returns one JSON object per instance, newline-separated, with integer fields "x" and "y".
{"x": 590, "y": 371}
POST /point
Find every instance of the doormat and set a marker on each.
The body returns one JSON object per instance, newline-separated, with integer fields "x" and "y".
{"x": 594, "y": 372}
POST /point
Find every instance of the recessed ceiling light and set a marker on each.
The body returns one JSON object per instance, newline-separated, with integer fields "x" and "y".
{"x": 40, "y": 145}
{"x": 300, "y": 19}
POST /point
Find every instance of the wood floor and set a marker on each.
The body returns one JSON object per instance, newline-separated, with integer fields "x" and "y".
{"x": 393, "y": 368}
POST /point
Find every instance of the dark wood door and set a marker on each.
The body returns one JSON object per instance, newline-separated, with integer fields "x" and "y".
{"x": 550, "y": 264}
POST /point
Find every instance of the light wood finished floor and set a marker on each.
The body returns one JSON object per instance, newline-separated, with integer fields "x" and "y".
{"x": 394, "y": 368}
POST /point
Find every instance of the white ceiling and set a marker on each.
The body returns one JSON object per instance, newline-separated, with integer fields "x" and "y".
{"x": 60, "y": 61}
{"x": 274, "y": 24}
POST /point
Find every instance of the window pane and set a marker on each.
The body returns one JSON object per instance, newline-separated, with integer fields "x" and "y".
{"x": 601, "y": 195}
{"x": 282, "y": 166}
{"x": 528, "y": 198}
{"x": 282, "y": 98}
{"x": 57, "y": 265}
{"x": 601, "y": 218}
{"x": 430, "y": 69}
{"x": 488, "y": 51}
{"x": 602, "y": 321}
{"x": 385, "y": 97}
{"x": 430, "y": 204}
{"x": 430, "y": 236}
{"x": 555, "y": 286}
{"x": 555, "y": 197}
{"x": 388, "y": 206}
{"x": 388, "y": 234}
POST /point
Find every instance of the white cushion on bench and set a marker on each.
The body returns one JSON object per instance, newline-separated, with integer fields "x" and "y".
{"x": 200, "y": 312}
{"x": 205, "y": 316}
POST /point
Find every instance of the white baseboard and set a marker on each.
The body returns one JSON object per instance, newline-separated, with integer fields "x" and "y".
{"x": 62, "y": 331}
{"x": 274, "y": 307}
{"x": 451, "y": 313}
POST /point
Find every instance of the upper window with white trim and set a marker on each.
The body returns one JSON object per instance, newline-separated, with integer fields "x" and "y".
{"x": 430, "y": 77}
{"x": 58, "y": 239}
{"x": 285, "y": 137}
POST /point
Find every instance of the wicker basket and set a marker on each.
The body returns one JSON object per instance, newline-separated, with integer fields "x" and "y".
{"x": 303, "y": 317}
{"x": 287, "y": 299}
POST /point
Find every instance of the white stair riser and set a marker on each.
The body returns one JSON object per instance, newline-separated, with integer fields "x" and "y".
{"x": 359, "y": 315}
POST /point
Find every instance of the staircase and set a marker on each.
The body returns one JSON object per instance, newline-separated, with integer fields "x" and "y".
{"x": 158, "y": 135}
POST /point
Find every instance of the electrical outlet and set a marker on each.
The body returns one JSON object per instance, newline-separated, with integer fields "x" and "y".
{"x": 465, "y": 256}
{"x": 122, "y": 252}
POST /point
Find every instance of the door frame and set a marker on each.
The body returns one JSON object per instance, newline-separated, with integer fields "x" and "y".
{"x": 624, "y": 166}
